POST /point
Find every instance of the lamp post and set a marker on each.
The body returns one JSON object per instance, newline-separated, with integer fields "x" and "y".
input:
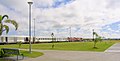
{"x": 52, "y": 39}
{"x": 30, "y": 3}
{"x": 34, "y": 32}
{"x": 93, "y": 34}
{"x": 34, "y": 27}
{"x": 70, "y": 34}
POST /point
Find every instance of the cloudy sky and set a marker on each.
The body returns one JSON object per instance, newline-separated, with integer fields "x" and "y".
{"x": 61, "y": 16}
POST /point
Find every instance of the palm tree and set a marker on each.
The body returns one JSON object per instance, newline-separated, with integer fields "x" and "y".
{"x": 97, "y": 38}
{"x": 3, "y": 26}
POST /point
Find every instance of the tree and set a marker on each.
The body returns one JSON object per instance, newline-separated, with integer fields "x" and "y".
{"x": 52, "y": 40}
{"x": 97, "y": 38}
{"x": 3, "y": 26}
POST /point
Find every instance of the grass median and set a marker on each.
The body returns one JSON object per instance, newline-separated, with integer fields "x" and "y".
{"x": 31, "y": 55}
{"x": 26, "y": 54}
{"x": 70, "y": 46}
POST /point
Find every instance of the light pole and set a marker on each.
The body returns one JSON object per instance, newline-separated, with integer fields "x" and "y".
{"x": 52, "y": 39}
{"x": 70, "y": 34}
{"x": 34, "y": 27}
{"x": 57, "y": 34}
{"x": 93, "y": 34}
{"x": 34, "y": 32}
{"x": 70, "y": 31}
{"x": 30, "y": 47}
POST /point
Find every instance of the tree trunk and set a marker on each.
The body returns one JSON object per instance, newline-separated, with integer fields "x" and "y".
{"x": 94, "y": 45}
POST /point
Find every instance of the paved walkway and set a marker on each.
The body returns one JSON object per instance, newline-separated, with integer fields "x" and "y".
{"x": 50, "y": 55}
{"x": 114, "y": 48}
{"x": 55, "y": 55}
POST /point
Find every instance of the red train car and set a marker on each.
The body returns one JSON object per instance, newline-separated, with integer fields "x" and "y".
{"x": 74, "y": 39}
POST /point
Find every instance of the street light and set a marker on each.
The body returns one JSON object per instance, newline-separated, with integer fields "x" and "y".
{"x": 93, "y": 34}
{"x": 70, "y": 31}
{"x": 52, "y": 39}
{"x": 70, "y": 34}
{"x": 30, "y": 3}
{"x": 34, "y": 32}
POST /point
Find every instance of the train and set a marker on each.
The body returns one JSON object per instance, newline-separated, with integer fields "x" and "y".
{"x": 38, "y": 39}
{"x": 25, "y": 39}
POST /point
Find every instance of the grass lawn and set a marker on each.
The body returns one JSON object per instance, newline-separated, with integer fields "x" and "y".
{"x": 32, "y": 55}
{"x": 72, "y": 46}
{"x": 4, "y": 60}
{"x": 26, "y": 54}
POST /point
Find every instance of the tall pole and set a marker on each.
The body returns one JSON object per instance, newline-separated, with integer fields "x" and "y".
{"x": 70, "y": 34}
{"x": 70, "y": 31}
{"x": 52, "y": 40}
{"x": 30, "y": 47}
{"x": 34, "y": 27}
{"x": 34, "y": 32}
{"x": 93, "y": 34}
{"x": 57, "y": 35}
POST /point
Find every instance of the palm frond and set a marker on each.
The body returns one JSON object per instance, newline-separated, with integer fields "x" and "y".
{"x": 94, "y": 33}
{"x": 6, "y": 28}
{"x": 5, "y": 16}
{"x": 0, "y": 18}
{"x": 12, "y": 22}
{"x": 1, "y": 28}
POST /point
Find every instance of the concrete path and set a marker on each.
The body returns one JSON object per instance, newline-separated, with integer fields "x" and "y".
{"x": 111, "y": 54}
{"x": 50, "y": 55}
{"x": 114, "y": 48}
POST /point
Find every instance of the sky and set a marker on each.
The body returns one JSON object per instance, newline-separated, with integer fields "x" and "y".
{"x": 64, "y": 17}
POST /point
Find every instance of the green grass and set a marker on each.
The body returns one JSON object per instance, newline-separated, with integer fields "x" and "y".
{"x": 69, "y": 46}
{"x": 32, "y": 55}
{"x": 72, "y": 46}
{"x": 1, "y": 59}
{"x": 26, "y": 54}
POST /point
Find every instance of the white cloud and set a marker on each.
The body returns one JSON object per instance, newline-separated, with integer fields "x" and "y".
{"x": 83, "y": 14}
